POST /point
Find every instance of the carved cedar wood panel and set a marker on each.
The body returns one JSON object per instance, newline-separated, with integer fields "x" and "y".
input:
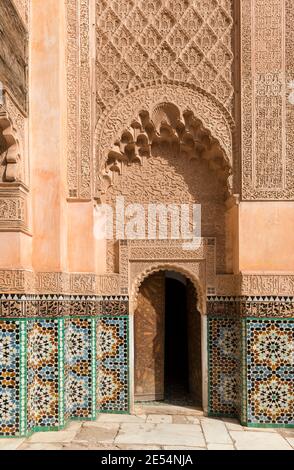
{"x": 194, "y": 345}
{"x": 149, "y": 339}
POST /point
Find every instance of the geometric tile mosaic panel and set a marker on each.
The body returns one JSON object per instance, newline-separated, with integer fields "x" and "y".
{"x": 223, "y": 366}
{"x": 55, "y": 369}
{"x": 79, "y": 371}
{"x": 10, "y": 400}
{"x": 112, "y": 364}
{"x": 269, "y": 372}
{"x": 43, "y": 373}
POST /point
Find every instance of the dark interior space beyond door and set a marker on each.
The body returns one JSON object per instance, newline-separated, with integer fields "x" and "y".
{"x": 168, "y": 341}
{"x": 176, "y": 339}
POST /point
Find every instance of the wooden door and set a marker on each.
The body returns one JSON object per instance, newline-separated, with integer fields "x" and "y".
{"x": 194, "y": 346}
{"x": 149, "y": 339}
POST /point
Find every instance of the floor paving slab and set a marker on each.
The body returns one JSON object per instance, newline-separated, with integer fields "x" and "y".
{"x": 290, "y": 440}
{"x": 220, "y": 447}
{"x": 121, "y": 418}
{"x": 65, "y": 435}
{"x": 289, "y": 432}
{"x": 76, "y": 446}
{"x": 246, "y": 440}
{"x": 215, "y": 432}
{"x": 138, "y": 447}
{"x": 94, "y": 434}
{"x": 161, "y": 434}
{"x": 10, "y": 444}
{"x": 180, "y": 419}
{"x": 40, "y": 446}
{"x": 259, "y": 429}
{"x": 193, "y": 419}
{"x": 167, "y": 429}
{"x": 156, "y": 419}
{"x": 232, "y": 424}
{"x": 183, "y": 448}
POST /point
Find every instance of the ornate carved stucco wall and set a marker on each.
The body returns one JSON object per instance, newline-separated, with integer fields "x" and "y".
{"x": 124, "y": 57}
{"x": 139, "y": 45}
{"x": 267, "y": 114}
{"x": 90, "y": 41}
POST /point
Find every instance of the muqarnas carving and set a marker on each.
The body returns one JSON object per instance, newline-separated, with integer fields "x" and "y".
{"x": 166, "y": 132}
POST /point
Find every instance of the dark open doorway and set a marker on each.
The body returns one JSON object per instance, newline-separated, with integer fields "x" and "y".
{"x": 176, "y": 337}
{"x": 182, "y": 360}
{"x": 168, "y": 341}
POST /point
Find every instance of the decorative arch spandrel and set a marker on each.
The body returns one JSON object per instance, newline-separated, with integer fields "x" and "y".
{"x": 212, "y": 114}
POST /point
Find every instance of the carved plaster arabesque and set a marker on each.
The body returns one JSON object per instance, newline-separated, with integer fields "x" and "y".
{"x": 166, "y": 132}
{"x": 13, "y": 170}
{"x": 182, "y": 268}
{"x": 10, "y": 149}
{"x": 13, "y": 208}
{"x": 227, "y": 286}
{"x": 147, "y": 256}
{"x": 190, "y": 44}
{"x": 79, "y": 133}
{"x": 184, "y": 97}
{"x": 143, "y": 41}
{"x": 267, "y": 116}
{"x": 174, "y": 144}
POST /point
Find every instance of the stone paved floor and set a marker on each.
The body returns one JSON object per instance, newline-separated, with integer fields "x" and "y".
{"x": 156, "y": 427}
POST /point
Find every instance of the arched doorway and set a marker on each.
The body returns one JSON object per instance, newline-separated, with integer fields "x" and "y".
{"x": 167, "y": 337}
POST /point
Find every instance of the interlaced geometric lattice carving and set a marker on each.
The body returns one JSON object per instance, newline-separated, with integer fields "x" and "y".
{"x": 142, "y": 41}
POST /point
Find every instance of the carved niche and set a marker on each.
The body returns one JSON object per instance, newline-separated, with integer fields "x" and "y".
{"x": 168, "y": 156}
{"x": 179, "y": 48}
{"x": 167, "y": 133}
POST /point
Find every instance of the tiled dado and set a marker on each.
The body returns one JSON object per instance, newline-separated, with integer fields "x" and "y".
{"x": 268, "y": 372}
{"x": 56, "y": 369}
{"x": 251, "y": 359}
{"x": 223, "y": 366}
{"x": 67, "y": 357}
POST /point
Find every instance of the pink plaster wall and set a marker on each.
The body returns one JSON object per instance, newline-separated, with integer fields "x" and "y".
{"x": 266, "y": 236}
{"x": 15, "y": 252}
{"x": 47, "y": 134}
